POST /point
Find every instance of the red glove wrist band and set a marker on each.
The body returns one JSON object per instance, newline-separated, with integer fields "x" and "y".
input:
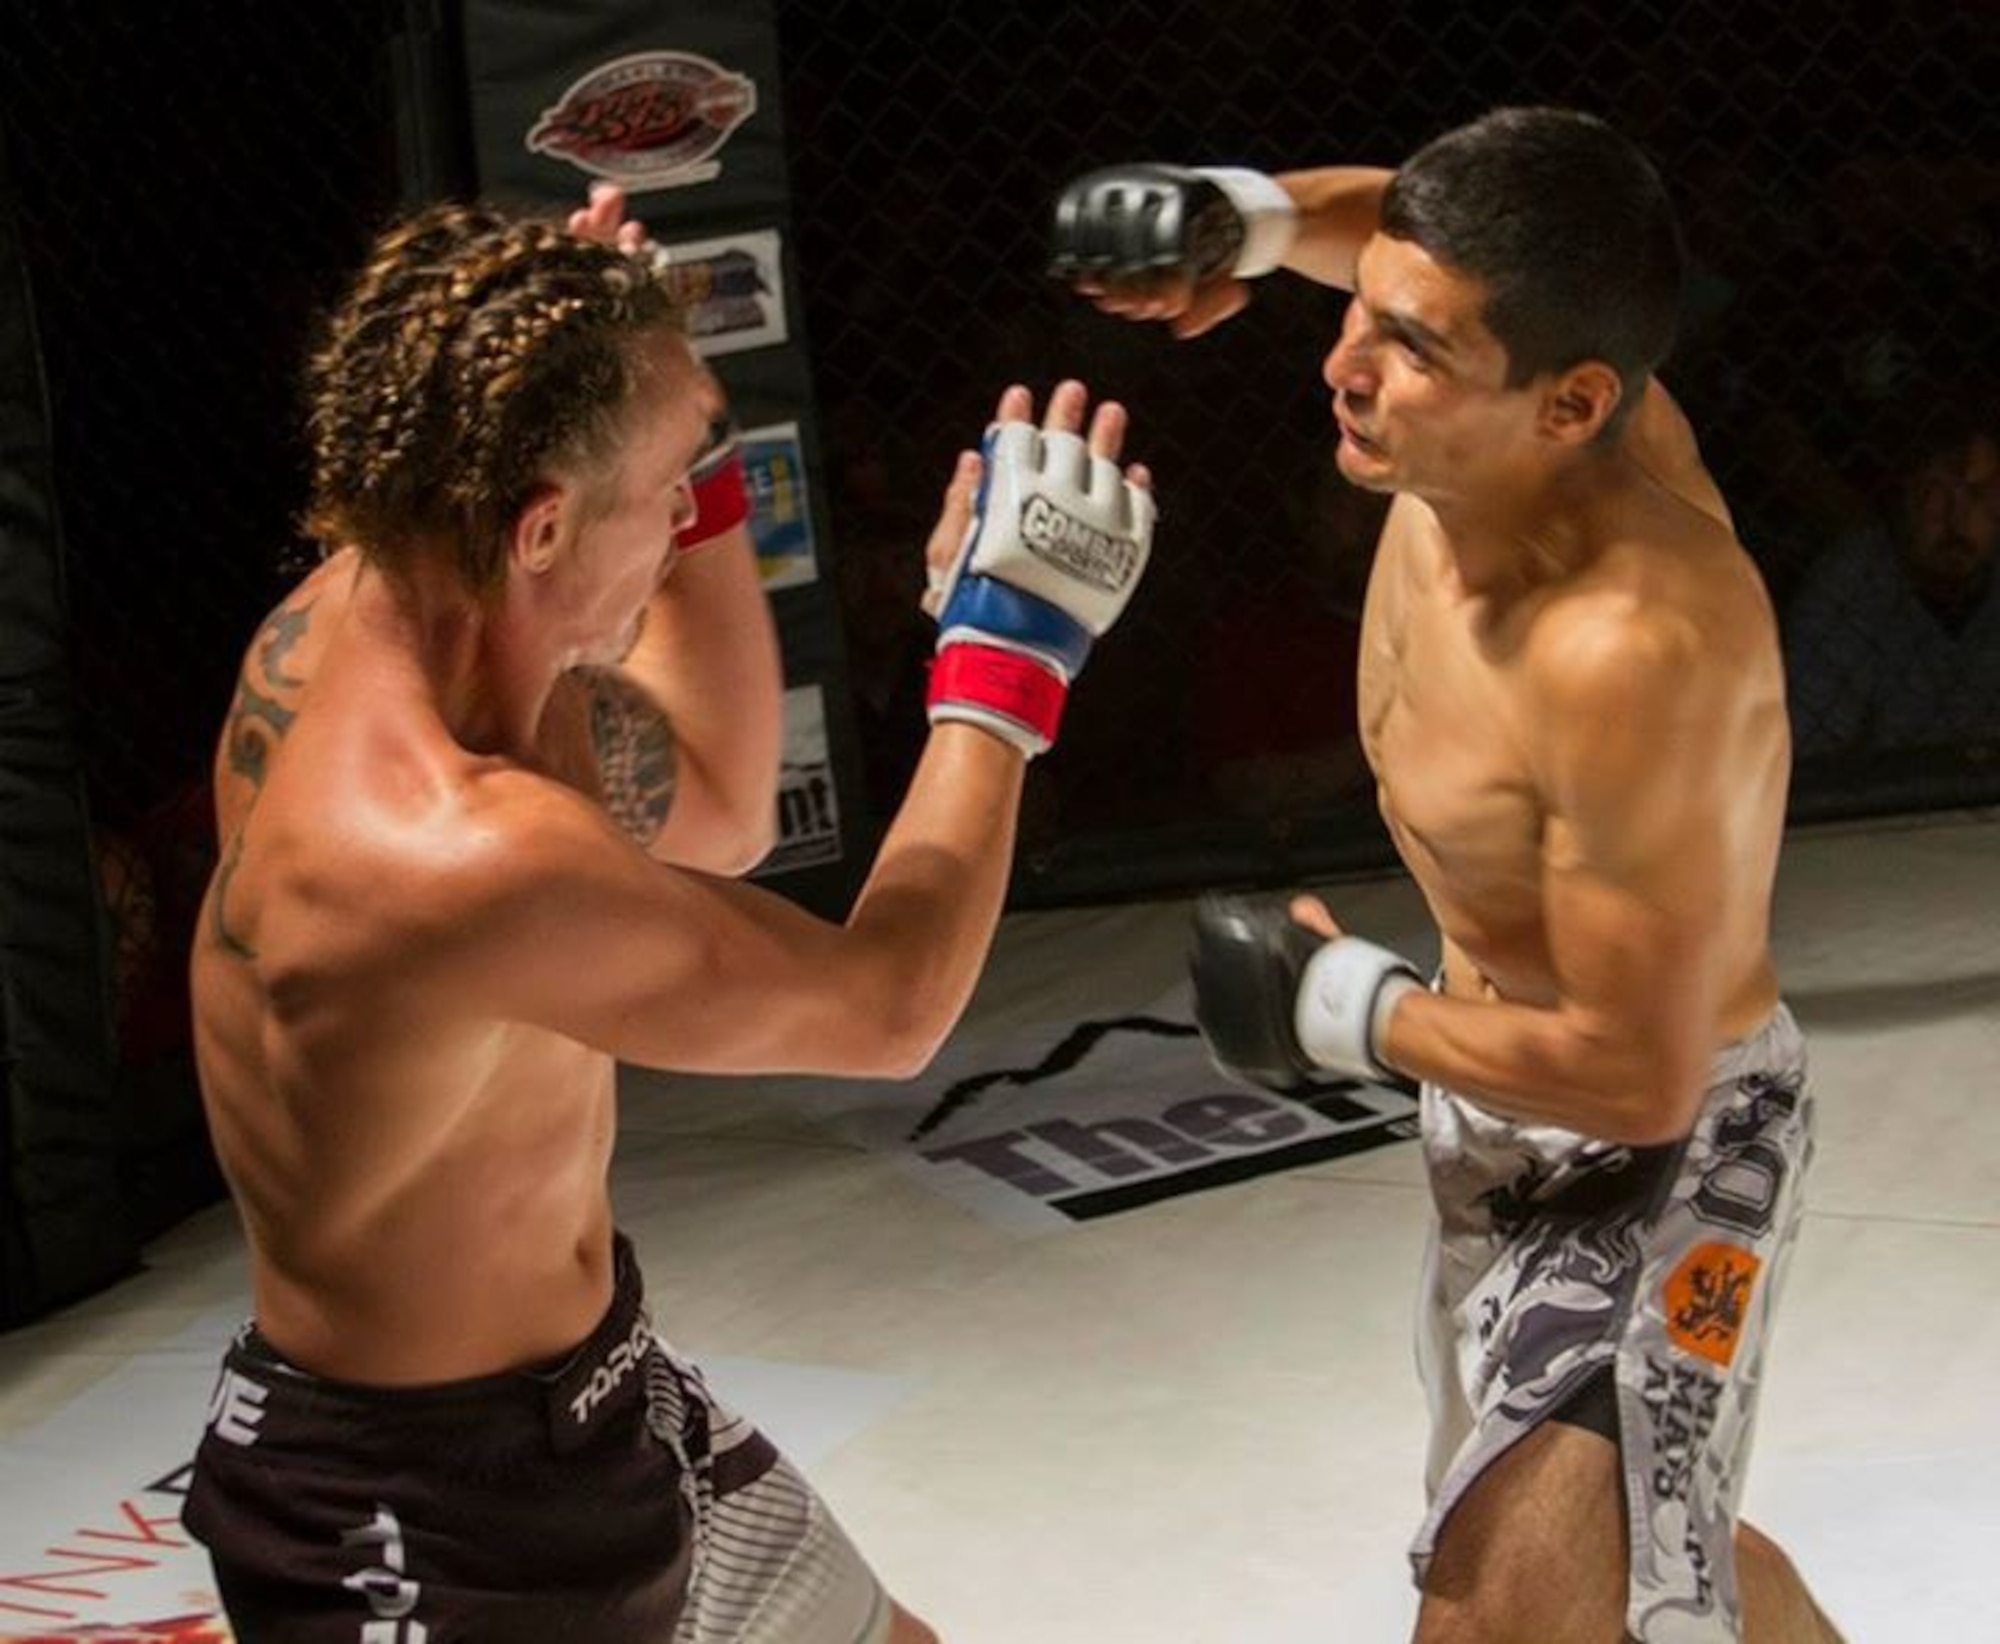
{"x": 721, "y": 502}
{"x": 1002, "y": 682}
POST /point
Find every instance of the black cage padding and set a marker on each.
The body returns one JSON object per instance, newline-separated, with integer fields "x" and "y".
{"x": 63, "y": 1228}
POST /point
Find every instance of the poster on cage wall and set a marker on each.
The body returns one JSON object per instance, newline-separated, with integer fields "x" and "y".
{"x": 680, "y": 104}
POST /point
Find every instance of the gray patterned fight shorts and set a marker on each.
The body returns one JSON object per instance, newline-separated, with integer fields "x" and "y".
{"x": 608, "y": 1498}
{"x": 1556, "y": 1259}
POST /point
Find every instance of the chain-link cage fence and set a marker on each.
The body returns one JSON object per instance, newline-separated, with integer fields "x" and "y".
{"x": 195, "y": 179}
{"x": 192, "y": 182}
{"x": 1838, "y": 171}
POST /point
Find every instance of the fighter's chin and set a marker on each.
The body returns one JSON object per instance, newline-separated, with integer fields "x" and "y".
{"x": 1362, "y": 465}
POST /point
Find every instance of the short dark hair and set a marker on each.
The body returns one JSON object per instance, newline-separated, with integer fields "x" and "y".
{"x": 1567, "y": 225}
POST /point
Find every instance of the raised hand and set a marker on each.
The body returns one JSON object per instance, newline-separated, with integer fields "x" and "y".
{"x": 1040, "y": 543}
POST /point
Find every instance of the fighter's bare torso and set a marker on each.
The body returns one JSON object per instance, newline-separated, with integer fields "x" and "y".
{"x": 1449, "y": 691}
{"x": 356, "y": 1107}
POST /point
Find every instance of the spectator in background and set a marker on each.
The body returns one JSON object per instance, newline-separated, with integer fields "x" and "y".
{"x": 1892, "y": 636}
{"x": 1805, "y": 338}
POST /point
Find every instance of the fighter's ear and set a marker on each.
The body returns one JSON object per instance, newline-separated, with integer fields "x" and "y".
{"x": 1580, "y": 401}
{"x": 538, "y": 530}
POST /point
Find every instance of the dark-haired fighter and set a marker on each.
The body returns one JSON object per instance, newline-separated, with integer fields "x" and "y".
{"x": 1571, "y": 695}
{"x": 478, "y": 796}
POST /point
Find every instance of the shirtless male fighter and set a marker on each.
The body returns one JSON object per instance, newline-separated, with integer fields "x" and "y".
{"x": 487, "y": 772}
{"x": 1571, "y": 696}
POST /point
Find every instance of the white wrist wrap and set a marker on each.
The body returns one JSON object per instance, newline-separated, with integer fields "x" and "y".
{"x": 1269, "y": 217}
{"x": 1345, "y": 996}
{"x": 1016, "y": 733}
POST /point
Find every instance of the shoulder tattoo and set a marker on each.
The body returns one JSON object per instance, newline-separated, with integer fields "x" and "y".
{"x": 634, "y": 745}
{"x": 265, "y": 694}
{"x": 264, "y": 708}
{"x": 218, "y": 895}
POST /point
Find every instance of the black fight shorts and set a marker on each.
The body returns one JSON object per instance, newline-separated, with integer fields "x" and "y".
{"x": 606, "y": 1500}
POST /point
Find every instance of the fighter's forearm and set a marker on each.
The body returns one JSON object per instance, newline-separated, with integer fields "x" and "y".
{"x": 1339, "y": 208}
{"x": 931, "y": 903}
{"x": 708, "y": 658}
{"x": 1546, "y": 1066}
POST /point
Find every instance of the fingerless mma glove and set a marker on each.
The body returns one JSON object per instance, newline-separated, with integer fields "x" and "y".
{"x": 1277, "y": 1003}
{"x": 1128, "y": 222}
{"x": 1058, "y": 541}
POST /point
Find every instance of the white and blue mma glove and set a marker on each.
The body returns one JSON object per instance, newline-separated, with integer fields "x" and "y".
{"x": 1058, "y": 541}
{"x": 1278, "y": 1003}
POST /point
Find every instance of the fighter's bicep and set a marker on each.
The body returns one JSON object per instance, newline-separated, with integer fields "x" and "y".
{"x": 1626, "y": 932}
{"x": 1635, "y": 848}
{"x": 581, "y": 933}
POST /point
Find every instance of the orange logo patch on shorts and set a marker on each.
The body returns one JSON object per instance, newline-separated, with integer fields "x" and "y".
{"x": 1707, "y": 1299}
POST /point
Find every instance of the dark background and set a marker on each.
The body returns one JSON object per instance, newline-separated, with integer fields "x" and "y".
{"x": 193, "y": 180}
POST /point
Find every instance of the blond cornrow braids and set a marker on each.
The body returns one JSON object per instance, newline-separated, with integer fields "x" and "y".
{"x": 472, "y": 355}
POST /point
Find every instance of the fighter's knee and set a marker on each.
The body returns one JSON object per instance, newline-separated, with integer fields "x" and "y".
{"x": 1753, "y": 1546}
{"x": 1494, "y": 1617}
{"x": 905, "y": 1628}
{"x": 1763, "y": 1567}
{"x": 1776, "y": 1602}
{"x": 1500, "y": 1589}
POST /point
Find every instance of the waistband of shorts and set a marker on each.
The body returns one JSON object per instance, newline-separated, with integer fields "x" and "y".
{"x": 1774, "y": 1045}
{"x": 584, "y": 1379}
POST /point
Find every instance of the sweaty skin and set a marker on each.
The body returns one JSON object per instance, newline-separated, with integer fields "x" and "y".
{"x": 1570, "y": 689}
{"x": 432, "y": 935}
{"x": 422, "y": 1183}
{"x": 1457, "y": 691}
{"x": 1571, "y": 693}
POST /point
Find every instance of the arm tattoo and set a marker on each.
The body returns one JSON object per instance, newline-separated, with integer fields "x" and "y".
{"x": 218, "y": 894}
{"x": 286, "y": 627}
{"x": 634, "y": 743}
{"x": 256, "y": 724}
{"x": 258, "y": 720}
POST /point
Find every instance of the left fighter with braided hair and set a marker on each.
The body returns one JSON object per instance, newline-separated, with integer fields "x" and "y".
{"x": 489, "y": 772}
{"x": 679, "y": 738}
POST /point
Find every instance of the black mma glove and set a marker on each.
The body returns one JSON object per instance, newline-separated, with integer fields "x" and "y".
{"x": 1129, "y": 222}
{"x": 1277, "y": 1003}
